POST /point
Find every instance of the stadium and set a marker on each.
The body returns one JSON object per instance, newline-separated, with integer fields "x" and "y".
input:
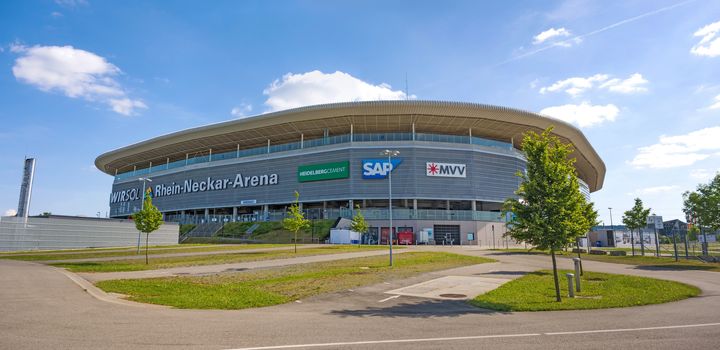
{"x": 451, "y": 166}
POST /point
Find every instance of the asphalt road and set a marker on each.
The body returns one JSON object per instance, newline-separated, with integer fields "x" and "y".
{"x": 41, "y": 308}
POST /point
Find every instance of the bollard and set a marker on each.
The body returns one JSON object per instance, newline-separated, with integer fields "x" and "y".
{"x": 571, "y": 291}
{"x": 577, "y": 274}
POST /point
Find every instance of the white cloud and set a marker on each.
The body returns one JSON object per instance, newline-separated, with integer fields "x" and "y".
{"x": 56, "y": 14}
{"x": 71, "y": 3}
{"x": 709, "y": 45}
{"x": 653, "y": 190}
{"x": 10, "y": 212}
{"x": 701, "y": 174}
{"x": 303, "y": 89}
{"x": 716, "y": 104}
{"x": 680, "y": 150}
{"x": 631, "y": 85}
{"x": 549, "y": 34}
{"x": 241, "y": 111}
{"x": 584, "y": 114}
{"x": 75, "y": 73}
{"x": 576, "y": 86}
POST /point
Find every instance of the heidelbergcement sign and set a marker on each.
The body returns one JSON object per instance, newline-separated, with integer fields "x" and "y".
{"x": 378, "y": 168}
{"x": 195, "y": 186}
{"x": 325, "y": 171}
{"x": 445, "y": 169}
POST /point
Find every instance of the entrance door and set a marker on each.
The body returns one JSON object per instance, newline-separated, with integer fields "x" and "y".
{"x": 446, "y": 234}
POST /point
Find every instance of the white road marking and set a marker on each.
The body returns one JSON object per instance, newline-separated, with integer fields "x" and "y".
{"x": 419, "y": 340}
{"x": 388, "y": 298}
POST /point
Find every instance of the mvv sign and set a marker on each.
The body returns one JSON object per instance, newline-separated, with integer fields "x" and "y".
{"x": 445, "y": 169}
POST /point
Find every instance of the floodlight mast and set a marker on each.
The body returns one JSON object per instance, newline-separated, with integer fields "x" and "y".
{"x": 390, "y": 153}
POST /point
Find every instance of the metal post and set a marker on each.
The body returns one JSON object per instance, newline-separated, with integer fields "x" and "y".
{"x": 578, "y": 272}
{"x": 390, "y": 209}
{"x": 493, "y": 234}
{"x": 642, "y": 242}
{"x": 571, "y": 291}
{"x": 675, "y": 244}
{"x": 657, "y": 244}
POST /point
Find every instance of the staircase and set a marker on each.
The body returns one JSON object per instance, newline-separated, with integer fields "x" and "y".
{"x": 207, "y": 229}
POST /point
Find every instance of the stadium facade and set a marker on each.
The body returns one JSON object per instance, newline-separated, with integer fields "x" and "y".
{"x": 457, "y": 163}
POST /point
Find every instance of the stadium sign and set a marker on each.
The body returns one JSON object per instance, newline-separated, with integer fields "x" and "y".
{"x": 445, "y": 169}
{"x": 379, "y": 168}
{"x": 195, "y": 186}
{"x": 325, "y": 171}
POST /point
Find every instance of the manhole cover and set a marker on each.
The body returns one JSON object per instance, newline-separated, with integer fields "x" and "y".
{"x": 181, "y": 273}
{"x": 453, "y": 295}
{"x": 235, "y": 269}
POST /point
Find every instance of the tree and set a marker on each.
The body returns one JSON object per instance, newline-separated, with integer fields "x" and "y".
{"x": 550, "y": 211}
{"x": 147, "y": 220}
{"x": 702, "y": 207}
{"x": 295, "y": 221}
{"x": 358, "y": 222}
{"x": 636, "y": 219}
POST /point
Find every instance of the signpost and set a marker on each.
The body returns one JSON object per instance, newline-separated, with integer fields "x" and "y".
{"x": 657, "y": 222}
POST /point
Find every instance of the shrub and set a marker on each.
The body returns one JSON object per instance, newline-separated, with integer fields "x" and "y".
{"x": 598, "y": 252}
{"x": 618, "y": 253}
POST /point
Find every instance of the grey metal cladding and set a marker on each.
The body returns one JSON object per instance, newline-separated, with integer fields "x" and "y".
{"x": 490, "y": 177}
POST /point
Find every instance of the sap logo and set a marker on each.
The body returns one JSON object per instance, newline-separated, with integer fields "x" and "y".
{"x": 378, "y": 168}
{"x": 445, "y": 169}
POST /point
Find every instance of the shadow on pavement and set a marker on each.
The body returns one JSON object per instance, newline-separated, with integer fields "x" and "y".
{"x": 507, "y": 273}
{"x": 659, "y": 267}
{"x": 424, "y": 309}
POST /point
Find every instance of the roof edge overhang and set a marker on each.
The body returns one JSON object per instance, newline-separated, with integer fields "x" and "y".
{"x": 322, "y": 111}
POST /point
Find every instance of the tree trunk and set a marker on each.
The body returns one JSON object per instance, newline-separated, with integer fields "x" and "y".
{"x": 147, "y": 235}
{"x": 295, "y": 242}
{"x": 555, "y": 276}
{"x": 632, "y": 242}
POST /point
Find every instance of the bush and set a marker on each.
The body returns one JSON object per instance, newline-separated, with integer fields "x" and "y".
{"x": 185, "y": 228}
{"x": 618, "y": 253}
{"x": 598, "y": 252}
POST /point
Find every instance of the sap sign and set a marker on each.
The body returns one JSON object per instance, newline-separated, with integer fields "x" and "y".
{"x": 378, "y": 168}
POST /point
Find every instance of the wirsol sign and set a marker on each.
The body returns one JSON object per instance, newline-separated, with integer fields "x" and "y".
{"x": 194, "y": 186}
{"x": 325, "y": 171}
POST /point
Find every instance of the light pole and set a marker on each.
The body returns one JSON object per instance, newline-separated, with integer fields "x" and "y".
{"x": 390, "y": 154}
{"x": 612, "y": 228}
{"x": 142, "y": 206}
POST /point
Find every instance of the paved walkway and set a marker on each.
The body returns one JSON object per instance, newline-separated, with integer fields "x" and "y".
{"x": 233, "y": 267}
{"x": 141, "y": 256}
{"x": 41, "y": 308}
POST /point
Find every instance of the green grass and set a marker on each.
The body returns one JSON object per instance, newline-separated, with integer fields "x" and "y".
{"x": 89, "y": 254}
{"x": 267, "y": 287}
{"x": 273, "y": 231}
{"x": 536, "y": 292}
{"x": 239, "y": 256}
{"x": 648, "y": 260}
{"x": 82, "y": 250}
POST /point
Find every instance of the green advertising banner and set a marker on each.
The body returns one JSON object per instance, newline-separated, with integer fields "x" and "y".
{"x": 326, "y": 171}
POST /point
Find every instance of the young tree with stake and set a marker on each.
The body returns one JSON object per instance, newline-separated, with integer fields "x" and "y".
{"x": 358, "y": 222}
{"x": 636, "y": 219}
{"x": 147, "y": 220}
{"x": 295, "y": 221}
{"x": 550, "y": 210}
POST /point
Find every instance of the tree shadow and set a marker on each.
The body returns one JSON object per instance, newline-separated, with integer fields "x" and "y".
{"x": 508, "y": 273}
{"x": 517, "y": 253}
{"x": 424, "y": 309}
{"x": 661, "y": 267}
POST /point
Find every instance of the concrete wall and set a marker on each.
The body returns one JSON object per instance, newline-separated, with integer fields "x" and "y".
{"x": 68, "y": 232}
{"x": 483, "y": 231}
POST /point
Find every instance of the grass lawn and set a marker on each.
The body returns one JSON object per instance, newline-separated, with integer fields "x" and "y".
{"x": 267, "y": 287}
{"x": 536, "y": 292}
{"x": 239, "y": 256}
{"x": 100, "y": 253}
{"x": 648, "y": 260}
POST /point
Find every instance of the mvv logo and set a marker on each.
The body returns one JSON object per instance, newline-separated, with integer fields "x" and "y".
{"x": 445, "y": 169}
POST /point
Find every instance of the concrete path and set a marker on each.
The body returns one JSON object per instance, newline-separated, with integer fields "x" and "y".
{"x": 41, "y": 308}
{"x": 233, "y": 267}
{"x": 141, "y": 256}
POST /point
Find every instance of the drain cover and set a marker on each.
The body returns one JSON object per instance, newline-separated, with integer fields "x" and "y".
{"x": 453, "y": 295}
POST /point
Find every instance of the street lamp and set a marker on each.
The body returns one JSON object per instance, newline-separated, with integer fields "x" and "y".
{"x": 390, "y": 154}
{"x": 142, "y": 205}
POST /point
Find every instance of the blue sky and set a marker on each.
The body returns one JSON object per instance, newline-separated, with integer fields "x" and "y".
{"x": 78, "y": 78}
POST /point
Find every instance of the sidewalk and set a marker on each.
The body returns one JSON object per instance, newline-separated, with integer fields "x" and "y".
{"x": 212, "y": 269}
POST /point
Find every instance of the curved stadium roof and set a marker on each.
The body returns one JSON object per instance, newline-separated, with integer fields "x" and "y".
{"x": 454, "y": 118}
